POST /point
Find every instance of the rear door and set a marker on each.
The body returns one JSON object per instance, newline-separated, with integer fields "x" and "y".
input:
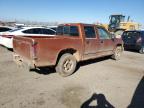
{"x": 91, "y": 42}
{"x": 106, "y": 42}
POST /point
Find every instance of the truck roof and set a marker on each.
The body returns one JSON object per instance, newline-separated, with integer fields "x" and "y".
{"x": 81, "y": 24}
{"x": 73, "y": 24}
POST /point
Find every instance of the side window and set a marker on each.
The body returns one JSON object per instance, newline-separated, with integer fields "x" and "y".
{"x": 37, "y": 31}
{"x": 30, "y": 31}
{"x": 66, "y": 30}
{"x": 90, "y": 32}
{"x": 103, "y": 33}
{"x": 47, "y": 32}
{"x": 33, "y": 31}
{"x": 74, "y": 31}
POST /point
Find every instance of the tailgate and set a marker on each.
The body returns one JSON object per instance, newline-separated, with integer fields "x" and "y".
{"x": 22, "y": 46}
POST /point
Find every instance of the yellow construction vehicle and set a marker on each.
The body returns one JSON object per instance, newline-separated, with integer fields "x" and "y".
{"x": 118, "y": 24}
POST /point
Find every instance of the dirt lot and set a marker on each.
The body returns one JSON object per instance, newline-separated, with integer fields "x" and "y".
{"x": 104, "y": 83}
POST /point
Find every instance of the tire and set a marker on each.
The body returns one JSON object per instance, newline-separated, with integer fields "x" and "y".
{"x": 141, "y": 50}
{"x": 66, "y": 65}
{"x": 117, "y": 53}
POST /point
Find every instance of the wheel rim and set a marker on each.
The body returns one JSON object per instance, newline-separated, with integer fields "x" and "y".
{"x": 68, "y": 65}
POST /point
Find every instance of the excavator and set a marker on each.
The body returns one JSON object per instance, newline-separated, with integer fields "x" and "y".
{"x": 118, "y": 24}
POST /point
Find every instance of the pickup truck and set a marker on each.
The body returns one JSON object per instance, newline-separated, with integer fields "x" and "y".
{"x": 73, "y": 42}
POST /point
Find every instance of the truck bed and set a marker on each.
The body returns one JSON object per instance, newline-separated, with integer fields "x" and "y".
{"x": 43, "y": 51}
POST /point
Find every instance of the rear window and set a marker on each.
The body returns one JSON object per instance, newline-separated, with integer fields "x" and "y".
{"x": 68, "y": 30}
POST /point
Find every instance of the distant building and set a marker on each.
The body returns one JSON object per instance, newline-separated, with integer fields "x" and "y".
{"x": 27, "y": 23}
{"x": 1, "y": 23}
{"x": 12, "y": 24}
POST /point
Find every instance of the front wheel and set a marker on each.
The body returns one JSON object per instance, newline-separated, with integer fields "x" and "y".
{"x": 66, "y": 65}
{"x": 117, "y": 53}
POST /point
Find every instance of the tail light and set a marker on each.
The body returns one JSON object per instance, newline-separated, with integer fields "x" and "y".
{"x": 7, "y": 36}
{"x": 139, "y": 40}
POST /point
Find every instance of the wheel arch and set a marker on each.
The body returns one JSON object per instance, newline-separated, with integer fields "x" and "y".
{"x": 118, "y": 45}
{"x": 72, "y": 51}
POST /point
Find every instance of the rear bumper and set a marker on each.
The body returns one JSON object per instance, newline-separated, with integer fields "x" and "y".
{"x": 21, "y": 62}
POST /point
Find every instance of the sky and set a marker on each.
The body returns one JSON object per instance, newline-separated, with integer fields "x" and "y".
{"x": 87, "y": 11}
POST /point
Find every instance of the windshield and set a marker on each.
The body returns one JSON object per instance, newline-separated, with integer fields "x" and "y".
{"x": 115, "y": 19}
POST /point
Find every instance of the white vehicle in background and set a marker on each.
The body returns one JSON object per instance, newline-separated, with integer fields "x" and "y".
{"x": 4, "y": 29}
{"x": 6, "y": 38}
{"x": 53, "y": 27}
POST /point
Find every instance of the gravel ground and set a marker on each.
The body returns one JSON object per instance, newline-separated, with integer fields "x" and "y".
{"x": 104, "y": 83}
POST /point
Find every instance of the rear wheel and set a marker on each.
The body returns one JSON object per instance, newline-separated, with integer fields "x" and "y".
{"x": 117, "y": 53}
{"x": 66, "y": 65}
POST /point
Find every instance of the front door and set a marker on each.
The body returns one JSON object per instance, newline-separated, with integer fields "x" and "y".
{"x": 106, "y": 43}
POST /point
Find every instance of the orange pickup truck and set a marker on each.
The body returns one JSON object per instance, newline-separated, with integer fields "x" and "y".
{"x": 73, "y": 42}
